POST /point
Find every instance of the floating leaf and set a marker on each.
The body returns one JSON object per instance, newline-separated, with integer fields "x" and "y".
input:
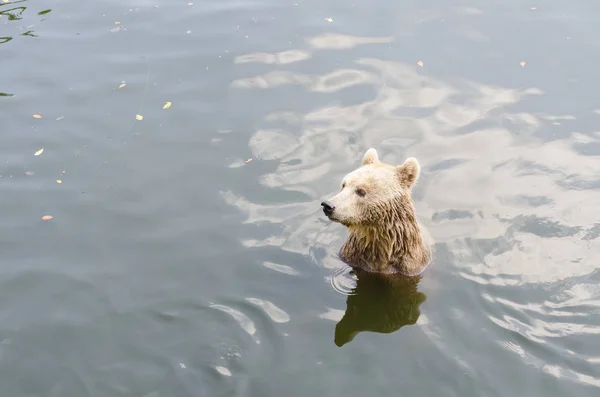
{"x": 47, "y": 217}
{"x": 522, "y": 64}
{"x": 122, "y": 85}
{"x": 420, "y": 63}
{"x": 190, "y": 4}
{"x": 37, "y": 116}
{"x": 167, "y": 105}
{"x": 58, "y": 181}
{"x": 117, "y": 23}
{"x": 39, "y": 152}
{"x": 329, "y": 19}
{"x": 29, "y": 173}
{"x": 59, "y": 118}
{"x": 247, "y": 161}
{"x": 44, "y": 12}
{"x": 139, "y": 117}
{"x": 533, "y": 8}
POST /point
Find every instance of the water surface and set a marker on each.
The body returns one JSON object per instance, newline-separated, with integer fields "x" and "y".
{"x": 187, "y": 254}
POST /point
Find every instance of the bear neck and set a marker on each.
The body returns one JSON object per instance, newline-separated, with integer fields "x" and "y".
{"x": 393, "y": 244}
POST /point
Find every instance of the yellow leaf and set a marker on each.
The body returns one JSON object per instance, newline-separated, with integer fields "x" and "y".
{"x": 122, "y": 85}
{"x": 329, "y": 19}
{"x": 37, "y": 116}
{"x": 58, "y": 181}
{"x": 47, "y": 217}
{"x": 522, "y": 64}
{"x": 167, "y": 105}
{"x": 39, "y": 152}
{"x": 139, "y": 117}
{"x": 420, "y": 63}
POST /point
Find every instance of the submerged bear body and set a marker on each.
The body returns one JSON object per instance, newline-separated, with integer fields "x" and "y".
{"x": 375, "y": 204}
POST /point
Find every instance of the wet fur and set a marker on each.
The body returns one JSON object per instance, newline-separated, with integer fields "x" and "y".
{"x": 390, "y": 247}
{"x": 384, "y": 233}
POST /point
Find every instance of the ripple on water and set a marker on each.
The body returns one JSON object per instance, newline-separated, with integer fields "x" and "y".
{"x": 276, "y": 314}
{"x": 518, "y": 248}
{"x": 343, "y": 281}
{"x": 281, "y": 268}
{"x": 243, "y": 320}
{"x": 242, "y": 357}
{"x": 556, "y": 333}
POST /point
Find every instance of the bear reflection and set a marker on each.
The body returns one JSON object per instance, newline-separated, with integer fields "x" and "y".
{"x": 380, "y": 303}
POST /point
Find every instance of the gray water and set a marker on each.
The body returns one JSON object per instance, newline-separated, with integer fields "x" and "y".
{"x": 187, "y": 254}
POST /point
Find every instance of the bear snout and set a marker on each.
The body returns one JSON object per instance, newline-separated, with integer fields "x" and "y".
{"x": 328, "y": 207}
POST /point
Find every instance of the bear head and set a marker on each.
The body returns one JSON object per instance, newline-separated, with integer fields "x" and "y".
{"x": 375, "y": 194}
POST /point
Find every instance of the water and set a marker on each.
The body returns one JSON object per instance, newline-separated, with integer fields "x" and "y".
{"x": 187, "y": 254}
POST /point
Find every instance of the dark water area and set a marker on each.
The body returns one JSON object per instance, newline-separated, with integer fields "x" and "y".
{"x": 187, "y": 254}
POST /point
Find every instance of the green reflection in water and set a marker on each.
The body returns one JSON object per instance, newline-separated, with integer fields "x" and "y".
{"x": 380, "y": 303}
{"x": 13, "y": 14}
{"x": 29, "y": 33}
{"x": 16, "y": 14}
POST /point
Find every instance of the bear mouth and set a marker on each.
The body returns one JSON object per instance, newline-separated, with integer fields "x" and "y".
{"x": 334, "y": 219}
{"x": 331, "y": 217}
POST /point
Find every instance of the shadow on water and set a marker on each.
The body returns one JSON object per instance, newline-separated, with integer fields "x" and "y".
{"x": 381, "y": 304}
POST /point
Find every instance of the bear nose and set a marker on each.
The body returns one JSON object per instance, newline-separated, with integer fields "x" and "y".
{"x": 328, "y": 207}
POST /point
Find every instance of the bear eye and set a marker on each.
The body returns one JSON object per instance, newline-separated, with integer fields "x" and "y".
{"x": 361, "y": 192}
{"x": 343, "y": 185}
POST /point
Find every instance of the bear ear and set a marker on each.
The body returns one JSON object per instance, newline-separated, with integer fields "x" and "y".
{"x": 370, "y": 157}
{"x": 409, "y": 171}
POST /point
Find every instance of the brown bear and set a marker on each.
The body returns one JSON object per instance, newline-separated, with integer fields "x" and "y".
{"x": 375, "y": 204}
